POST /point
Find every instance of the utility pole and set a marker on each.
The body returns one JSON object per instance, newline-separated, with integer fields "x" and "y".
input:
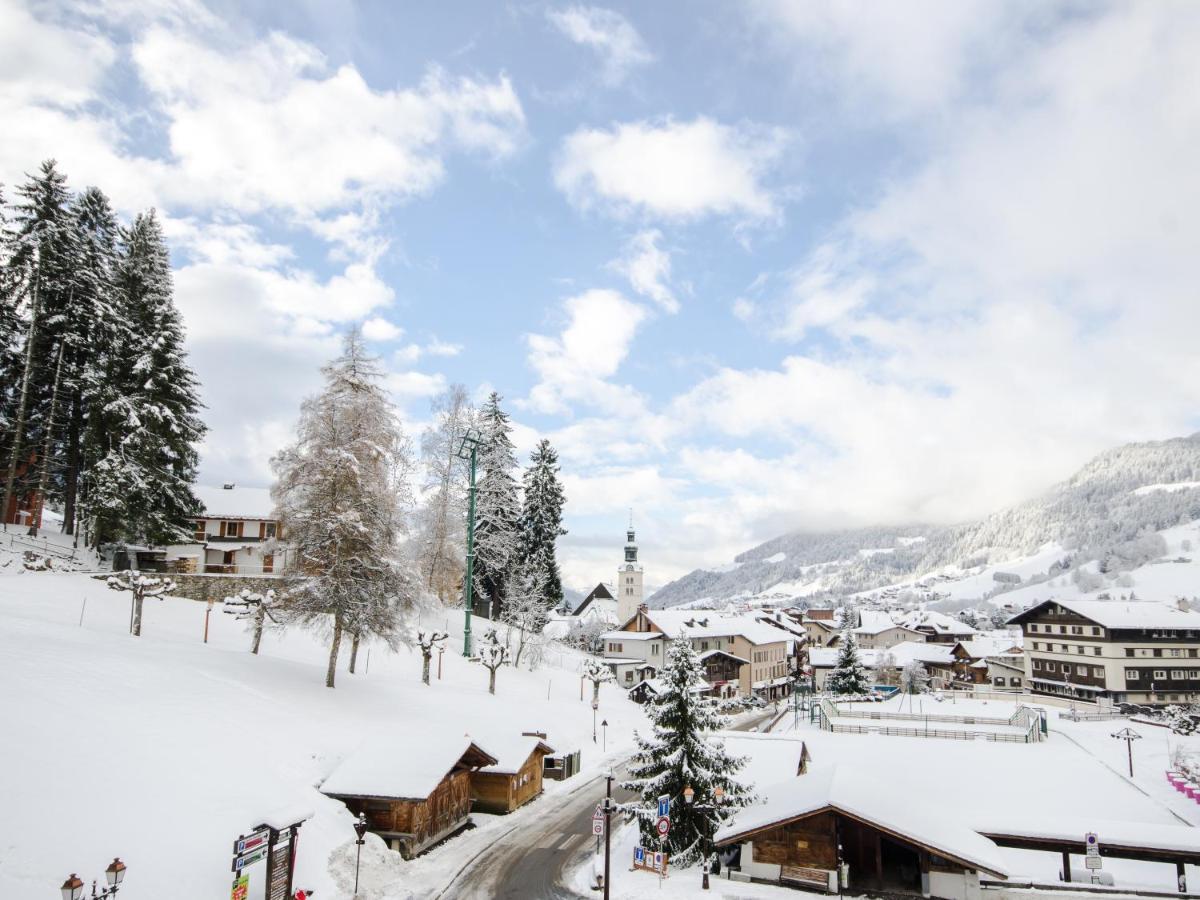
{"x": 1128, "y": 735}
{"x": 608, "y": 780}
{"x": 469, "y": 450}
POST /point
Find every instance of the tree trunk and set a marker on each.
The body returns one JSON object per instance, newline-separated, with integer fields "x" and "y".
{"x": 595, "y": 691}
{"x": 425, "y": 658}
{"x": 333, "y": 651}
{"x": 520, "y": 646}
{"x": 259, "y": 620}
{"x": 22, "y": 408}
{"x": 353, "y": 653}
{"x": 44, "y": 468}
{"x": 137, "y": 613}
{"x": 491, "y": 681}
{"x": 74, "y": 452}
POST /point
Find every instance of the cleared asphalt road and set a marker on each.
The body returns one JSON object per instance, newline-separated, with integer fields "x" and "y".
{"x": 531, "y": 862}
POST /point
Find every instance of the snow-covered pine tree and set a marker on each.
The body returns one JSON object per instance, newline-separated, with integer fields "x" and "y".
{"x": 441, "y": 541}
{"x": 849, "y": 676}
{"x": 38, "y": 282}
{"x": 681, "y": 752}
{"x": 339, "y": 492}
{"x": 146, "y": 424}
{"x": 497, "y": 507}
{"x": 913, "y": 678}
{"x": 541, "y": 521}
{"x": 93, "y": 332}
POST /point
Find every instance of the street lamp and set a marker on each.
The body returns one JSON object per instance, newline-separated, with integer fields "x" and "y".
{"x": 72, "y": 888}
{"x": 468, "y": 449}
{"x": 718, "y": 798}
{"x": 360, "y": 828}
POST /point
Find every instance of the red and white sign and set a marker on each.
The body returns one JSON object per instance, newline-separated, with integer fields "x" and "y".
{"x": 663, "y": 826}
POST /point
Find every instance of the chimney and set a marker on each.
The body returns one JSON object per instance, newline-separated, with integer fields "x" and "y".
{"x": 228, "y": 486}
{"x": 537, "y": 734}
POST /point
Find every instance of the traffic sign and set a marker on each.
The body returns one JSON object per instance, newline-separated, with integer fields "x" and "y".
{"x": 664, "y": 806}
{"x": 639, "y": 856}
{"x": 663, "y": 826}
{"x": 1092, "y": 844}
{"x": 251, "y": 842}
{"x": 597, "y": 827}
{"x": 249, "y": 859}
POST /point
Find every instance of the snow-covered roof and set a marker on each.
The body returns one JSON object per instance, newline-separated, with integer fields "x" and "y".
{"x": 986, "y": 646}
{"x": 1125, "y": 613}
{"x": 940, "y": 623}
{"x": 235, "y": 503}
{"x": 658, "y": 685}
{"x": 874, "y": 621}
{"x": 632, "y": 636}
{"x": 707, "y": 653}
{"x": 401, "y": 765}
{"x": 1115, "y": 832}
{"x": 770, "y": 758}
{"x": 886, "y": 804}
{"x": 512, "y": 750}
{"x": 707, "y": 623}
{"x": 901, "y": 654}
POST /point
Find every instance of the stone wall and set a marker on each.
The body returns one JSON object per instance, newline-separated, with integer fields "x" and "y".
{"x": 218, "y": 587}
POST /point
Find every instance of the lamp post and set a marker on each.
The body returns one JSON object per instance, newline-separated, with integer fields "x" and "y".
{"x": 468, "y": 449}
{"x": 718, "y": 798}
{"x": 360, "y": 828}
{"x": 72, "y": 888}
{"x": 1128, "y": 735}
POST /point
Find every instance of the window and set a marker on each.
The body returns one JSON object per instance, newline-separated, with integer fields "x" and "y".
{"x": 1129, "y": 651}
{"x": 1176, "y": 674}
{"x": 999, "y": 681}
{"x": 1096, "y": 629}
{"x": 1051, "y": 667}
{"x": 616, "y": 648}
{"x": 1016, "y": 682}
{"x": 199, "y": 532}
{"x": 231, "y": 529}
{"x": 704, "y": 645}
{"x": 1032, "y": 627}
{"x": 654, "y": 649}
{"x": 1075, "y": 629}
{"x": 1177, "y": 653}
{"x": 629, "y": 676}
{"x": 1157, "y": 651}
{"x": 1081, "y": 649}
{"x": 270, "y": 530}
{"x": 1081, "y": 670}
{"x": 1131, "y": 675}
{"x": 1062, "y": 629}
{"x": 1160, "y": 673}
{"x": 1097, "y": 672}
{"x": 1193, "y": 652}
{"x": 1095, "y": 651}
{"x": 1194, "y": 674}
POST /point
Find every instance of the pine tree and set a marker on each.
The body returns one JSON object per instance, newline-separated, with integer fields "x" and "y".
{"x": 38, "y": 283}
{"x": 147, "y": 428}
{"x": 339, "y": 493}
{"x": 541, "y": 521}
{"x": 681, "y": 753}
{"x": 849, "y": 676}
{"x": 497, "y": 507}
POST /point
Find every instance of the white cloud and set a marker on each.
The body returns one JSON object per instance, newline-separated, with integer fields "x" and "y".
{"x": 575, "y": 366}
{"x": 411, "y": 353}
{"x": 744, "y": 309}
{"x": 609, "y": 33}
{"x": 648, "y": 268}
{"x": 669, "y": 169}
{"x": 43, "y": 62}
{"x": 380, "y": 329}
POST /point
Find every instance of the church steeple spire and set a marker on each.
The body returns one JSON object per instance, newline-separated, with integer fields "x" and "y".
{"x": 629, "y": 577}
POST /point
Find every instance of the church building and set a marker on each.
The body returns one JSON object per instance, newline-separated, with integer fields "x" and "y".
{"x": 629, "y": 579}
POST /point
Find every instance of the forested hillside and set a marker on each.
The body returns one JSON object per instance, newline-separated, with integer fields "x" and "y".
{"x": 1108, "y": 511}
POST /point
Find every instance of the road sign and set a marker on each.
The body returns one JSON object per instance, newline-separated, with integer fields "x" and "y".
{"x": 251, "y": 842}
{"x": 664, "y": 806}
{"x": 663, "y": 826}
{"x": 597, "y": 827}
{"x": 639, "y": 856}
{"x": 249, "y": 859}
{"x": 1092, "y": 843}
{"x": 241, "y": 888}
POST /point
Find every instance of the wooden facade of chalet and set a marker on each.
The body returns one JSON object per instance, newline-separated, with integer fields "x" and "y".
{"x": 412, "y": 825}
{"x": 721, "y": 669}
{"x": 496, "y": 791}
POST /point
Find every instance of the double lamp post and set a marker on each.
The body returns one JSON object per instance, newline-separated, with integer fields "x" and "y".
{"x": 72, "y": 888}
{"x": 718, "y": 798}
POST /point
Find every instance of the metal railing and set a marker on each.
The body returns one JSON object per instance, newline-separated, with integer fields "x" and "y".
{"x": 1024, "y": 718}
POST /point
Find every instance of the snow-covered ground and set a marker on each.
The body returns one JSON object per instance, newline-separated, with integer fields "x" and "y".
{"x": 162, "y": 749}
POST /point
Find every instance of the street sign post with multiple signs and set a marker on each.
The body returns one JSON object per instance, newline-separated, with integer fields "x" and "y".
{"x": 1092, "y": 859}
{"x": 598, "y": 822}
{"x": 655, "y": 861}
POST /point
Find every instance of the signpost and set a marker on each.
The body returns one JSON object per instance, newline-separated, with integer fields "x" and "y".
{"x": 1092, "y": 861}
{"x": 650, "y": 861}
{"x": 598, "y": 822}
{"x": 278, "y": 847}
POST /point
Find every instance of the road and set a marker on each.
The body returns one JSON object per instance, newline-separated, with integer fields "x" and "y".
{"x": 532, "y": 862}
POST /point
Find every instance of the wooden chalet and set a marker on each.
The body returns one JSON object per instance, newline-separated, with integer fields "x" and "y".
{"x": 887, "y": 843}
{"x": 721, "y": 670}
{"x": 516, "y": 777}
{"x": 414, "y": 790}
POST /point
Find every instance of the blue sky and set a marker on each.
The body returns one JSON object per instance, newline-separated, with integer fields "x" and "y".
{"x": 751, "y": 267}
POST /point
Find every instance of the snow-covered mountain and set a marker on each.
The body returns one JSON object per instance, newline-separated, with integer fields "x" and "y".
{"x": 1109, "y": 512}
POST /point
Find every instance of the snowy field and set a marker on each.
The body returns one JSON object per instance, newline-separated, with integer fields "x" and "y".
{"x": 162, "y": 749}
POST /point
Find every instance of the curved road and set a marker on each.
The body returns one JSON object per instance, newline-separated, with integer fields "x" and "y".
{"x": 531, "y": 862}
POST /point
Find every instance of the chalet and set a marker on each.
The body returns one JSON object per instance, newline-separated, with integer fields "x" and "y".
{"x": 937, "y": 627}
{"x": 762, "y": 651}
{"x": 820, "y": 631}
{"x": 515, "y": 778}
{"x": 1005, "y": 675}
{"x": 809, "y": 827}
{"x": 1135, "y": 651}
{"x": 770, "y": 758}
{"x": 414, "y": 790}
{"x": 238, "y": 534}
{"x": 649, "y": 687}
{"x": 877, "y": 631}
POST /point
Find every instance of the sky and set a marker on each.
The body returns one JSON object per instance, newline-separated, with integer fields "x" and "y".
{"x": 750, "y": 267}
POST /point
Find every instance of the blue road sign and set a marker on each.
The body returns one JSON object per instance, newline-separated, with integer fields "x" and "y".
{"x": 639, "y": 854}
{"x": 664, "y": 805}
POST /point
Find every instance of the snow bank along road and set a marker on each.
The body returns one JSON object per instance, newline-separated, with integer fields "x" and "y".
{"x": 530, "y": 862}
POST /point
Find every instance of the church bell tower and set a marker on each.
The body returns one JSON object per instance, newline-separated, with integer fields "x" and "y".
{"x": 629, "y": 578}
